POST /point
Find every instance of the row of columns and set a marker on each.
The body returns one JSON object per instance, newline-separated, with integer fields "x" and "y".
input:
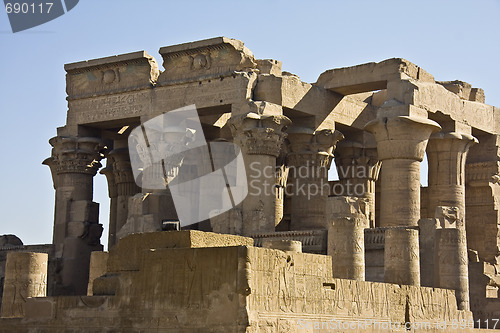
{"x": 401, "y": 142}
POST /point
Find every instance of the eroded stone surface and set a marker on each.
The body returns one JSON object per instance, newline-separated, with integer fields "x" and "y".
{"x": 389, "y": 115}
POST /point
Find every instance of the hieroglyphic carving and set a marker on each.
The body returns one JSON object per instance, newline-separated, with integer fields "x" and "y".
{"x": 105, "y": 108}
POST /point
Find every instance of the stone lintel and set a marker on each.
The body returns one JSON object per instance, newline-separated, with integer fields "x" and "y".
{"x": 313, "y": 105}
{"x": 256, "y": 108}
{"x": 371, "y": 76}
{"x": 126, "y": 72}
{"x": 203, "y": 44}
{"x": 108, "y": 61}
{"x": 213, "y": 57}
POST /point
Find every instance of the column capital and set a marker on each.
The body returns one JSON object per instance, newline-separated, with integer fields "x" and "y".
{"x": 354, "y": 160}
{"x": 312, "y": 147}
{"x": 123, "y": 175}
{"x": 259, "y": 134}
{"x": 447, "y": 152}
{"x": 450, "y": 142}
{"x": 122, "y": 167}
{"x": 75, "y": 155}
{"x": 402, "y": 137}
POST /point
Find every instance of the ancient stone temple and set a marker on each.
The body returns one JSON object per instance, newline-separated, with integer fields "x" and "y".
{"x": 374, "y": 251}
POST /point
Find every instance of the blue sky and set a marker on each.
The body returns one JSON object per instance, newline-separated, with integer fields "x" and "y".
{"x": 450, "y": 39}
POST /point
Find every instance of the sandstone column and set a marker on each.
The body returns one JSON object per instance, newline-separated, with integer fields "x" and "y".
{"x": 401, "y": 256}
{"x": 452, "y": 270}
{"x": 281, "y": 180}
{"x": 427, "y": 241}
{"x": 447, "y": 153}
{"x": 260, "y": 138}
{"x": 77, "y": 232}
{"x": 25, "y": 276}
{"x": 451, "y": 258}
{"x": 358, "y": 169}
{"x": 125, "y": 185}
{"x": 309, "y": 160}
{"x": 347, "y": 219}
{"x": 401, "y": 143}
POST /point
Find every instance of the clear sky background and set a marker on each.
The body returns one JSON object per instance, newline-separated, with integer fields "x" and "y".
{"x": 450, "y": 39}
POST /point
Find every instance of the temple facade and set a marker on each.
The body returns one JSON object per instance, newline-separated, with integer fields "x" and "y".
{"x": 299, "y": 253}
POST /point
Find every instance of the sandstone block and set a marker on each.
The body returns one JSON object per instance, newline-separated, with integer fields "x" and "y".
{"x": 126, "y": 254}
{"x": 25, "y": 276}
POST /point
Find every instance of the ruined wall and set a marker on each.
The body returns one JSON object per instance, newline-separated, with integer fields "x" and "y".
{"x": 150, "y": 285}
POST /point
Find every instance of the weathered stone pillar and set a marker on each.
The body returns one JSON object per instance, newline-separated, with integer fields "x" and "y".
{"x": 427, "y": 241}
{"x": 347, "y": 218}
{"x": 77, "y": 232}
{"x": 401, "y": 143}
{"x": 482, "y": 198}
{"x": 358, "y": 169}
{"x": 451, "y": 258}
{"x": 401, "y": 256}
{"x": 447, "y": 153}
{"x": 125, "y": 186}
{"x": 309, "y": 160}
{"x": 452, "y": 272}
{"x": 260, "y": 138}
{"x": 25, "y": 276}
{"x": 280, "y": 188}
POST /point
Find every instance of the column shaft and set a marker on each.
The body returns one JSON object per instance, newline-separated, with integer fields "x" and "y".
{"x": 347, "y": 221}
{"x": 452, "y": 264}
{"x": 400, "y": 193}
{"x": 309, "y": 160}
{"x": 401, "y": 256}
{"x": 260, "y": 137}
